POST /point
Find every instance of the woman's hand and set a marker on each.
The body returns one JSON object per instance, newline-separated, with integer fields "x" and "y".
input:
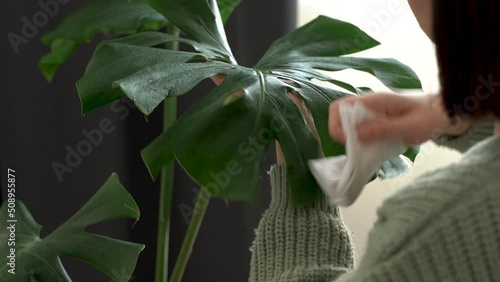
{"x": 415, "y": 118}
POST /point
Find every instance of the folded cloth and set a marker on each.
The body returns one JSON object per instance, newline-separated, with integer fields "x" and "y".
{"x": 342, "y": 178}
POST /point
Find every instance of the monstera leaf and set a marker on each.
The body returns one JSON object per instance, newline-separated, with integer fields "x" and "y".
{"x": 114, "y": 17}
{"x": 38, "y": 259}
{"x": 200, "y": 20}
{"x": 221, "y": 140}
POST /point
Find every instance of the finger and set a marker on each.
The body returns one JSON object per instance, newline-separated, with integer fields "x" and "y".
{"x": 334, "y": 122}
{"x": 380, "y": 129}
{"x": 388, "y": 104}
{"x": 383, "y": 103}
{"x": 280, "y": 157}
{"x": 218, "y": 79}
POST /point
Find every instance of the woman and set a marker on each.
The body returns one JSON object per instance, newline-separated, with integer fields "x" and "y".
{"x": 445, "y": 226}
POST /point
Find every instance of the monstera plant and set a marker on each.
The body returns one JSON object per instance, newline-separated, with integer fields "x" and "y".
{"x": 221, "y": 140}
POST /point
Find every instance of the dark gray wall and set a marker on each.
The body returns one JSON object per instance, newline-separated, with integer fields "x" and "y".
{"x": 39, "y": 120}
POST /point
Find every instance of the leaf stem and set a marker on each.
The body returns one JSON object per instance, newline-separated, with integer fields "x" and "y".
{"x": 167, "y": 183}
{"x": 173, "y": 30}
{"x": 194, "y": 226}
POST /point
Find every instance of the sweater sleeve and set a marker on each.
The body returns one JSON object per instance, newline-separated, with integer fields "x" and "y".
{"x": 479, "y": 132}
{"x": 308, "y": 243}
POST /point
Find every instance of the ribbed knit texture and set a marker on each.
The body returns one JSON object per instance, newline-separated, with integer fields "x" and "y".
{"x": 309, "y": 243}
{"x": 443, "y": 227}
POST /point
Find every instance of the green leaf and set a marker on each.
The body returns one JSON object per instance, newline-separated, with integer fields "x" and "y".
{"x": 165, "y": 80}
{"x": 394, "y": 167}
{"x": 115, "y": 17}
{"x": 226, "y": 8}
{"x": 322, "y": 37}
{"x": 310, "y": 74}
{"x": 223, "y": 145}
{"x": 412, "y": 153}
{"x": 222, "y": 139}
{"x": 199, "y": 19}
{"x": 318, "y": 109}
{"x": 399, "y": 165}
{"x": 390, "y": 72}
{"x": 120, "y": 58}
{"x": 61, "y": 50}
{"x": 38, "y": 259}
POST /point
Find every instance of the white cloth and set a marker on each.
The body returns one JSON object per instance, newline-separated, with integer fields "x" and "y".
{"x": 342, "y": 178}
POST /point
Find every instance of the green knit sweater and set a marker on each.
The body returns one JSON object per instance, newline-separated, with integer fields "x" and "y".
{"x": 444, "y": 227}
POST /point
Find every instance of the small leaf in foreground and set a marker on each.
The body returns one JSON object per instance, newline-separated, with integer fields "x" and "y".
{"x": 38, "y": 259}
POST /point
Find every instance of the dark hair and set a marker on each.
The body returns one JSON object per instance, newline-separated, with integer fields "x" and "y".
{"x": 466, "y": 34}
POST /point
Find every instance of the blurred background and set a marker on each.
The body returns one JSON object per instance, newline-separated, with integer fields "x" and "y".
{"x": 40, "y": 119}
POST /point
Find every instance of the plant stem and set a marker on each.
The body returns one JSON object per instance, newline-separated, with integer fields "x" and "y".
{"x": 194, "y": 226}
{"x": 167, "y": 183}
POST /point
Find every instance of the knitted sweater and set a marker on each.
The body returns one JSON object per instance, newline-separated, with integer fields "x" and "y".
{"x": 445, "y": 226}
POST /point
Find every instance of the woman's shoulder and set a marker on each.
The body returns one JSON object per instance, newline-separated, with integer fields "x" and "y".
{"x": 478, "y": 172}
{"x": 436, "y": 197}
